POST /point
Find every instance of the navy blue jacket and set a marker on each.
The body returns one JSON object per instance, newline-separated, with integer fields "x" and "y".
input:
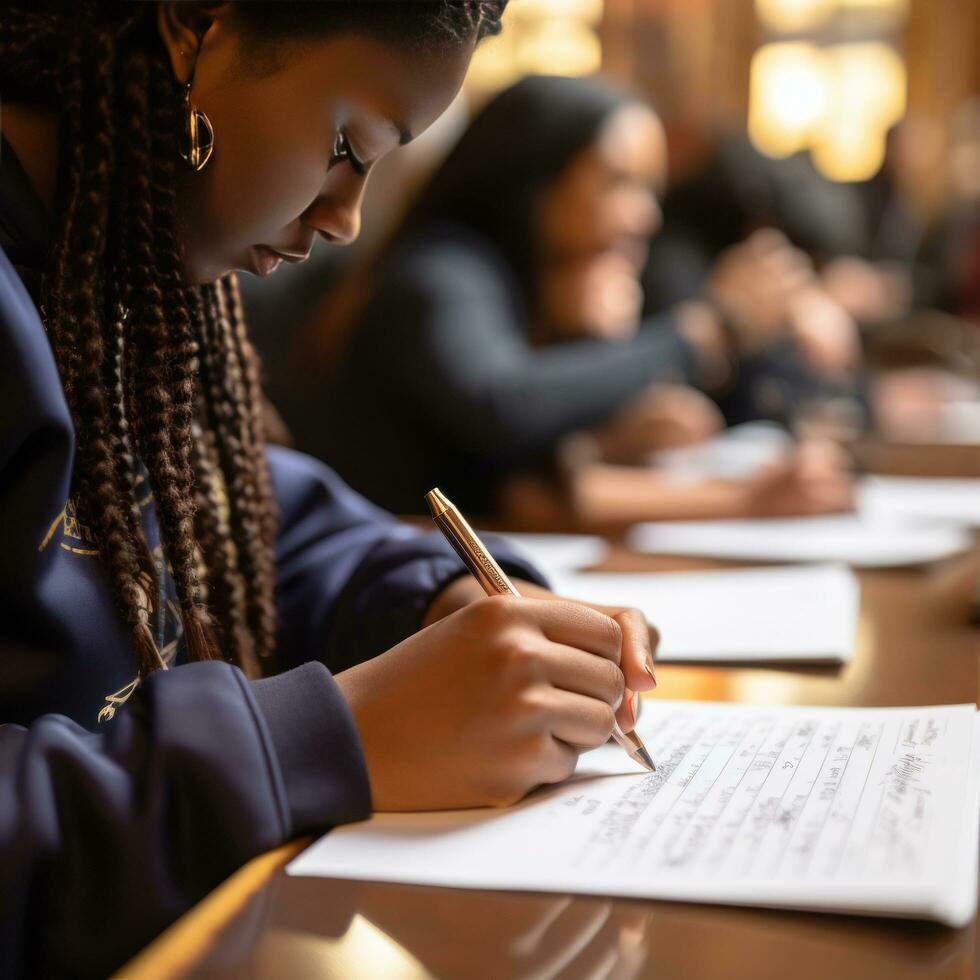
{"x": 109, "y": 831}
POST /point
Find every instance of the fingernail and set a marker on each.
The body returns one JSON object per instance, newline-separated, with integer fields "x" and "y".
{"x": 648, "y": 667}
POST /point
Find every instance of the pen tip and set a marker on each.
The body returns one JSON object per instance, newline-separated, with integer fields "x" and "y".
{"x": 437, "y": 502}
{"x": 644, "y": 758}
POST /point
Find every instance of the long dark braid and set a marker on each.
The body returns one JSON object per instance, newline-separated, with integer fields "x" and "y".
{"x": 119, "y": 319}
{"x": 244, "y": 475}
{"x": 160, "y": 376}
{"x": 264, "y": 515}
{"x": 79, "y": 303}
{"x": 165, "y": 348}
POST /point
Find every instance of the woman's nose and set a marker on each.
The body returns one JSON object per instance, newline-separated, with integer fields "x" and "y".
{"x": 336, "y": 213}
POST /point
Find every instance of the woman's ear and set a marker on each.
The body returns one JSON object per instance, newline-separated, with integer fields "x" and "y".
{"x": 182, "y": 26}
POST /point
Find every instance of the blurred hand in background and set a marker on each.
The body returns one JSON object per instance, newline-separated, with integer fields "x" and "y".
{"x": 663, "y": 417}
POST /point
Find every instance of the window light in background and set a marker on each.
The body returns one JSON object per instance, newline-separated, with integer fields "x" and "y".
{"x": 792, "y": 16}
{"x": 896, "y": 9}
{"x": 554, "y": 37}
{"x": 867, "y": 99}
{"x": 797, "y": 16}
{"x": 838, "y": 101}
{"x": 788, "y": 96}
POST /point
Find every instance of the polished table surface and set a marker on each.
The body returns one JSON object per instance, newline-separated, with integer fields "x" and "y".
{"x": 913, "y": 646}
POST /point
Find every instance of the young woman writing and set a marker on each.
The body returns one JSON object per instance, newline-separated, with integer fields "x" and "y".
{"x": 207, "y": 647}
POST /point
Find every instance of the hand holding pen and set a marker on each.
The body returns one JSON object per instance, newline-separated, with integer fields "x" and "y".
{"x": 494, "y": 581}
{"x": 494, "y": 697}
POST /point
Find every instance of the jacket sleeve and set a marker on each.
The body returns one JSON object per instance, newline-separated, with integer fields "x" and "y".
{"x": 114, "y": 833}
{"x": 106, "y": 838}
{"x": 352, "y": 580}
{"x": 446, "y": 333}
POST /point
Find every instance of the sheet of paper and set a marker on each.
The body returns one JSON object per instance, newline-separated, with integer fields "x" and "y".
{"x": 737, "y": 452}
{"x": 743, "y": 449}
{"x": 849, "y": 538}
{"x": 919, "y": 499}
{"x": 555, "y": 553}
{"x": 864, "y": 810}
{"x": 792, "y": 614}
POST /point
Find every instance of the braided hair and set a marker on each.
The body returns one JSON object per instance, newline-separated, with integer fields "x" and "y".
{"x": 159, "y": 375}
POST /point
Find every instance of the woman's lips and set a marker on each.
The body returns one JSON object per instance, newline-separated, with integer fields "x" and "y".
{"x": 265, "y": 261}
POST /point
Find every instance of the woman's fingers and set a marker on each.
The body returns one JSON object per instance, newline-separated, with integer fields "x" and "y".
{"x": 626, "y": 713}
{"x": 576, "y": 624}
{"x": 614, "y": 637}
{"x": 579, "y": 721}
{"x": 558, "y": 761}
{"x": 640, "y": 641}
{"x": 573, "y": 670}
{"x": 638, "y": 646}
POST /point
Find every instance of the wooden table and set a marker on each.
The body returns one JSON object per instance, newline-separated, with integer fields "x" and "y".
{"x": 913, "y": 647}
{"x": 937, "y": 459}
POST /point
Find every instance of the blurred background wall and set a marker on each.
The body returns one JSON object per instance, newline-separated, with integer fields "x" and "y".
{"x": 830, "y": 76}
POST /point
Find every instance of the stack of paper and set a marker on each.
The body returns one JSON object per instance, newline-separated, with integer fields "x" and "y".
{"x": 872, "y": 811}
{"x": 795, "y": 615}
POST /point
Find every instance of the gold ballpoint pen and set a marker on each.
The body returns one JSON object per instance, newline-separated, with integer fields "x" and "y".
{"x": 494, "y": 581}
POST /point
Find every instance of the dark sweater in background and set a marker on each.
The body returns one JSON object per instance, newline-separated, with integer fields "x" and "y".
{"x": 439, "y": 383}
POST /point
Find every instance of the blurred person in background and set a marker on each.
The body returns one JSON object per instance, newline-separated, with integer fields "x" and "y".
{"x": 497, "y": 346}
{"x": 893, "y": 256}
{"x": 731, "y": 193}
{"x": 927, "y": 364}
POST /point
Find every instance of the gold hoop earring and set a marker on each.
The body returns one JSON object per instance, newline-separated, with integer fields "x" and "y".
{"x": 198, "y": 140}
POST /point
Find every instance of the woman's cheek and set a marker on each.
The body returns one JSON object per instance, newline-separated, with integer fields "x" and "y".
{"x": 270, "y": 198}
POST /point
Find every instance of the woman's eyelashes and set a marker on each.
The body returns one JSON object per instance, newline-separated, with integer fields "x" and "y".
{"x": 342, "y": 151}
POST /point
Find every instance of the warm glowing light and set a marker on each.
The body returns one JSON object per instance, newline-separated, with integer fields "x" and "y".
{"x": 790, "y": 16}
{"x": 362, "y": 951}
{"x": 589, "y": 11}
{"x": 839, "y": 101}
{"x": 561, "y": 47}
{"x": 849, "y": 148}
{"x": 899, "y": 8}
{"x": 494, "y": 64}
{"x": 554, "y": 37}
{"x": 798, "y": 16}
{"x": 788, "y": 96}
{"x": 868, "y": 98}
{"x": 872, "y": 75}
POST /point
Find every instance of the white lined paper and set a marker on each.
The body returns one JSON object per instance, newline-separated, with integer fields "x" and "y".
{"x": 839, "y": 809}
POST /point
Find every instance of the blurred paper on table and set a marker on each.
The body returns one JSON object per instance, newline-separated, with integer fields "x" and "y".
{"x": 556, "y": 553}
{"x": 791, "y": 615}
{"x": 921, "y": 499}
{"x": 736, "y": 453}
{"x": 744, "y": 449}
{"x": 864, "y": 810}
{"x": 849, "y": 538}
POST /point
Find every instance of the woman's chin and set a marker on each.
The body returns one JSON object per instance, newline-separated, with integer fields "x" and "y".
{"x": 199, "y": 270}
